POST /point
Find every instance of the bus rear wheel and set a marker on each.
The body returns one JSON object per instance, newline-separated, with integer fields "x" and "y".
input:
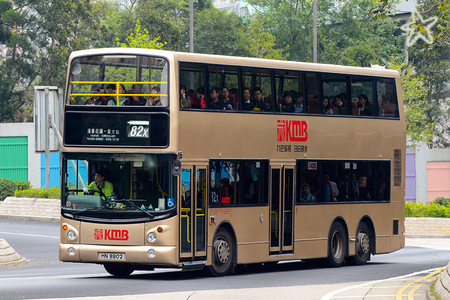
{"x": 337, "y": 245}
{"x": 363, "y": 246}
{"x": 222, "y": 253}
{"x": 118, "y": 270}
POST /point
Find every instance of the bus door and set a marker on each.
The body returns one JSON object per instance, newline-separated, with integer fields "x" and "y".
{"x": 281, "y": 209}
{"x": 193, "y": 212}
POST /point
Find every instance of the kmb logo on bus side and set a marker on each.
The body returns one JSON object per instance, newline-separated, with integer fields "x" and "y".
{"x": 111, "y": 234}
{"x": 292, "y": 131}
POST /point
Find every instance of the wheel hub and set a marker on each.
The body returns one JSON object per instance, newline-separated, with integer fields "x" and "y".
{"x": 363, "y": 243}
{"x": 222, "y": 251}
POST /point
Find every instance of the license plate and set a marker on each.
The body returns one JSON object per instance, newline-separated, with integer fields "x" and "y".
{"x": 112, "y": 256}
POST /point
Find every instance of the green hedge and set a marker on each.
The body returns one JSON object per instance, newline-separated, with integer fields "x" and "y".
{"x": 53, "y": 193}
{"x": 439, "y": 208}
{"x": 7, "y": 188}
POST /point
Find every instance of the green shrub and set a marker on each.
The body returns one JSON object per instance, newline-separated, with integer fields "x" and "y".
{"x": 442, "y": 201}
{"x": 433, "y": 210}
{"x": 23, "y": 185}
{"x": 54, "y": 193}
{"x": 7, "y": 188}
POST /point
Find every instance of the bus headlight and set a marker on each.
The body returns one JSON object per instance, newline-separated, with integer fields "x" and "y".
{"x": 151, "y": 253}
{"x": 71, "y": 235}
{"x": 151, "y": 237}
{"x": 71, "y": 251}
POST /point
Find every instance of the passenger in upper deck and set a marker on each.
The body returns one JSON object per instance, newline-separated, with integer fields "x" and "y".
{"x": 198, "y": 101}
{"x": 137, "y": 100}
{"x": 340, "y": 103}
{"x": 246, "y": 103}
{"x": 326, "y": 106}
{"x": 298, "y": 100}
{"x": 363, "y": 103}
{"x": 259, "y": 103}
{"x": 229, "y": 103}
{"x": 94, "y": 100}
{"x": 112, "y": 101}
{"x": 216, "y": 103}
{"x": 185, "y": 100}
{"x": 154, "y": 100}
{"x": 288, "y": 105}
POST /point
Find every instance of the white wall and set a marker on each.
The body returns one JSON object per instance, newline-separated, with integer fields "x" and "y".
{"x": 34, "y": 159}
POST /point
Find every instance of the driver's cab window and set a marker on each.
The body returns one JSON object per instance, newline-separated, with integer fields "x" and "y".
{"x": 119, "y": 181}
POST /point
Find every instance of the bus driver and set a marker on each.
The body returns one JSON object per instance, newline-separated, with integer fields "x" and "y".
{"x": 100, "y": 186}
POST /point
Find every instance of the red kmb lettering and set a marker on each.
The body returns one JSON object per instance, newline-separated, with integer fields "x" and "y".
{"x": 292, "y": 131}
{"x": 116, "y": 234}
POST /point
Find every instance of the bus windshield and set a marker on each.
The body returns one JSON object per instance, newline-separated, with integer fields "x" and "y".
{"x": 118, "y": 80}
{"x": 102, "y": 183}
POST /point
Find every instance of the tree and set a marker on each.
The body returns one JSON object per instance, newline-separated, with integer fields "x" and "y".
{"x": 440, "y": 8}
{"x": 260, "y": 43}
{"x": 140, "y": 39}
{"x": 219, "y": 32}
{"x": 419, "y": 127}
{"x": 17, "y": 66}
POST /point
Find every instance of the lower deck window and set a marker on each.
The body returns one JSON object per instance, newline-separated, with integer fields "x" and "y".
{"x": 342, "y": 181}
{"x": 239, "y": 182}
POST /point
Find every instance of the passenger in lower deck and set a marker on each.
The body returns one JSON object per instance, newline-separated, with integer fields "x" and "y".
{"x": 306, "y": 194}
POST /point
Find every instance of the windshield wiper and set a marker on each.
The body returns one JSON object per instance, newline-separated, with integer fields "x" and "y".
{"x": 131, "y": 201}
{"x": 76, "y": 213}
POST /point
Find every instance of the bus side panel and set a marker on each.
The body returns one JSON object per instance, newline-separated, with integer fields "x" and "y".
{"x": 252, "y": 231}
{"x": 311, "y": 232}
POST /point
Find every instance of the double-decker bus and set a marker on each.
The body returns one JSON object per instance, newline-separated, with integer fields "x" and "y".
{"x": 292, "y": 161}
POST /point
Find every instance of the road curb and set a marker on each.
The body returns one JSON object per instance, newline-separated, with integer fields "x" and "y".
{"x": 31, "y": 218}
{"x": 442, "y": 285}
{"x": 9, "y": 257}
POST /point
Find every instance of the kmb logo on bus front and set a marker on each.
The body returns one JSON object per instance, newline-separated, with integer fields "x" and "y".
{"x": 111, "y": 234}
{"x": 292, "y": 131}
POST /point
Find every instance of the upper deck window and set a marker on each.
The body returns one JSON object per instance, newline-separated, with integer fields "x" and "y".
{"x": 118, "y": 80}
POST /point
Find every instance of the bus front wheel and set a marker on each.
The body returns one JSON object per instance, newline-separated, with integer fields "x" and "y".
{"x": 337, "y": 245}
{"x": 118, "y": 270}
{"x": 363, "y": 245}
{"x": 222, "y": 253}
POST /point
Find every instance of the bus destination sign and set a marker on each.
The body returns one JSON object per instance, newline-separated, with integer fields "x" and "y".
{"x": 109, "y": 129}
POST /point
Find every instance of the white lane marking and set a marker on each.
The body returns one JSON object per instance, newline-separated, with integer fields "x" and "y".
{"x": 331, "y": 295}
{"x": 28, "y": 234}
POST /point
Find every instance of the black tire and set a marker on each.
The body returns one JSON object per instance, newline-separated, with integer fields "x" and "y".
{"x": 118, "y": 270}
{"x": 363, "y": 245}
{"x": 222, "y": 253}
{"x": 337, "y": 245}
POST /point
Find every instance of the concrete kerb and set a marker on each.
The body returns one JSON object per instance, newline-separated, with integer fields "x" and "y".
{"x": 442, "y": 286}
{"x": 9, "y": 258}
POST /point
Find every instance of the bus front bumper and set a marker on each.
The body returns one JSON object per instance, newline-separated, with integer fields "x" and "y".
{"x": 148, "y": 255}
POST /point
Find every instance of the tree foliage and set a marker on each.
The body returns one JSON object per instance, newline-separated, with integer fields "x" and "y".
{"x": 141, "y": 39}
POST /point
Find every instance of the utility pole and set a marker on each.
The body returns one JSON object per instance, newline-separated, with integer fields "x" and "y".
{"x": 191, "y": 26}
{"x": 314, "y": 31}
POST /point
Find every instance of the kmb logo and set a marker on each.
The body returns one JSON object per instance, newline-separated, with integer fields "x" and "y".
{"x": 292, "y": 131}
{"x": 111, "y": 234}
